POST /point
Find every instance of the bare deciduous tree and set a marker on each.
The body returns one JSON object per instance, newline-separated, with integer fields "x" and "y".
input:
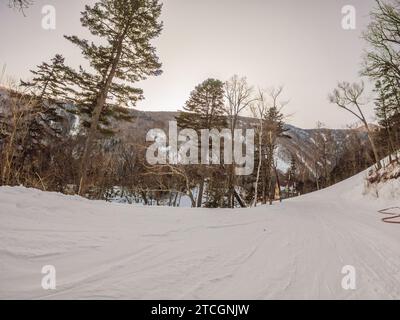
{"x": 383, "y": 36}
{"x": 259, "y": 110}
{"x": 267, "y": 109}
{"x": 239, "y": 96}
{"x": 349, "y": 97}
{"x": 20, "y": 5}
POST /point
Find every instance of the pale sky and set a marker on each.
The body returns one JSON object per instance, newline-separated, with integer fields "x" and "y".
{"x": 296, "y": 43}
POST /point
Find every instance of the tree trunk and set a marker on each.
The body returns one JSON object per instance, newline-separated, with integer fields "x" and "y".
{"x": 259, "y": 167}
{"x": 200, "y": 194}
{"x": 144, "y": 196}
{"x": 279, "y": 184}
{"x": 101, "y": 100}
{"x": 176, "y": 198}
{"x": 239, "y": 199}
{"x": 374, "y": 149}
{"x": 192, "y": 200}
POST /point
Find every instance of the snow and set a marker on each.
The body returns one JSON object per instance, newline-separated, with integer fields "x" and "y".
{"x": 384, "y": 182}
{"x": 282, "y": 163}
{"x": 293, "y": 250}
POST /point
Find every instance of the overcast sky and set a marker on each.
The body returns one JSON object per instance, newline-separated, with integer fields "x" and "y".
{"x": 296, "y": 43}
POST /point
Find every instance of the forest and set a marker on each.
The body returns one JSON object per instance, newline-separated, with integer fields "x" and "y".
{"x": 64, "y": 129}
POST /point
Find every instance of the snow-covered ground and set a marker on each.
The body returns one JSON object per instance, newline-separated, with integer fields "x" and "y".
{"x": 296, "y": 249}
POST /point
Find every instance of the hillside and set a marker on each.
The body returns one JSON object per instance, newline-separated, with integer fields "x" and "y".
{"x": 296, "y": 249}
{"x": 301, "y": 143}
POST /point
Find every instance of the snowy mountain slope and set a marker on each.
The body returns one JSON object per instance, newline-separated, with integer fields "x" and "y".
{"x": 296, "y": 249}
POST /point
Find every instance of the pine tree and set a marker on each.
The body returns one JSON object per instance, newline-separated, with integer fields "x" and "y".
{"x": 274, "y": 128}
{"x": 49, "y": 82}
{"x": 275, "y": 123}
{"x": 47, "y": 88}
{"x": 205, "y": 110}
{"x": 125, "y": 56}
{"x": 205, "y": 107}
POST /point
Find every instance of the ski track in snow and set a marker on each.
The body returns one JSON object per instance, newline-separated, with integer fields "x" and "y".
{"x": 292, "y": 250}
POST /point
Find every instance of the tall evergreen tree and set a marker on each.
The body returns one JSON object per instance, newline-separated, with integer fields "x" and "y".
{"x": 124, "y": 56}
{"x": 205, "y": 107}
{"x": 44, "y": 118}
{"x": 205, "y": 110}
{"x": 49, "y": 81}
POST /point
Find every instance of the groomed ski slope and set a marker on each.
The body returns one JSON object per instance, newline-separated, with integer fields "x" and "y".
{"x": 296, "y": 249}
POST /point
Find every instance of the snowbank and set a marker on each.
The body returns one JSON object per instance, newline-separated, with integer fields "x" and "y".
{"x": 385, "y": 182}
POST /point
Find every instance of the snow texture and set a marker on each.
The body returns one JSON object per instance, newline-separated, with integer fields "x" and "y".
{"x": 293, "y": 250}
